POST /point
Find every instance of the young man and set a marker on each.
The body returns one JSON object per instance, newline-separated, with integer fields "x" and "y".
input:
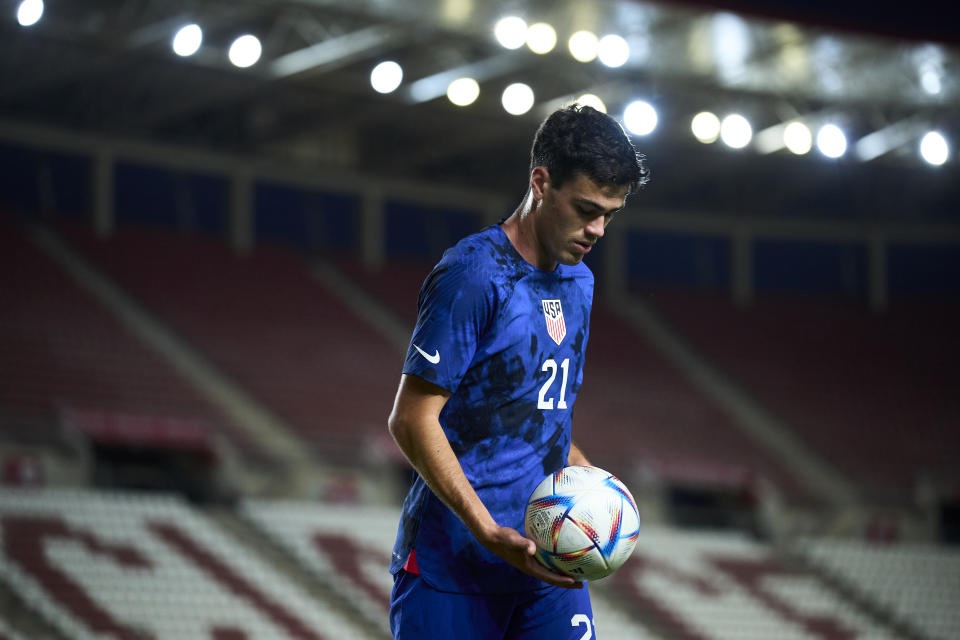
{"x": 484, "y": 405}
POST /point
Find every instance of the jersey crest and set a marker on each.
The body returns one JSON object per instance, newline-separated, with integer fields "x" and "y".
{"x": 553, "y": 314}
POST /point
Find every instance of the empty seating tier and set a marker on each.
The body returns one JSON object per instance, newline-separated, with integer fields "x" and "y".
{"x": 60, "y": 349}
{"x": 132, "y": 566}
{"x": 268, "y": 325}
{"x": 919, "y": 583}
{"x": 875, "y": 394}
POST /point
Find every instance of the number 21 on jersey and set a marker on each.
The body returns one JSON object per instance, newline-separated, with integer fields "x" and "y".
{"x": 545, "y": 402}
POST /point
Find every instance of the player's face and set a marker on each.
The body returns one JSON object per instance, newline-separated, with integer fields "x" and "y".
{"x": 573, "y": 218}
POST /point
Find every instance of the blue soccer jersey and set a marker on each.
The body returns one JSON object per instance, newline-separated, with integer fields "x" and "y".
{"x": 507, "y": 340}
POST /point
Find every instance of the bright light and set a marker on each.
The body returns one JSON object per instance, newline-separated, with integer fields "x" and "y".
{"x": 705, "y": 127}
{"x": 797, "y": 138}
{"x": 934, "y": 148}
{"x": 541, "y": 38}
{"x": 511, "y": 32}
{"x": 583, "y": 46}
{"x": 930, "y": 81}
{"x": 613, "y": 50}
{"x": 29, "y": 12}
{"x": 590, "y": 100}
{"x": 463, "y": 91}
{"x": 831, "y": 141}
{"x": 731, "y": 43}
{"x": 930, "y": 60}
{"x": 517, "y": 99}
{"x": 386, "y": 76}
{"x": 735, "y": 131}
{"x": 640, "y": 118}
{"x": 245, "y": 51}
{"x": 187, "y": 41}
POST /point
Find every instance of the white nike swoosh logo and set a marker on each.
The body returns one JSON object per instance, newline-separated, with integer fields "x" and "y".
{"x": 432, "y": 359}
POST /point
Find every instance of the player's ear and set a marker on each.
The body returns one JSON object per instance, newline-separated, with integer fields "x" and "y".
{"x": 539, "y": 181}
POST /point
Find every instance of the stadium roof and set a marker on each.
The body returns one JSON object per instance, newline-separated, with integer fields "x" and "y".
{"x": 108, "y": 67}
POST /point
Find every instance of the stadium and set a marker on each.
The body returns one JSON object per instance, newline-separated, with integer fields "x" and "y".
{"x": 215, "y": 219}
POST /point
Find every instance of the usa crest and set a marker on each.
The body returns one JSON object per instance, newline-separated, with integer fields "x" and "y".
{"x": 553, "y": 314}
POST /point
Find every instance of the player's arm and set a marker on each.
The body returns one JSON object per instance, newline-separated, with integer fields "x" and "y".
{"x": 576, "y": 456}
{"x": 415, "y": 424}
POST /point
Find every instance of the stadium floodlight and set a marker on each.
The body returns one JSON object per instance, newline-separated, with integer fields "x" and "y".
{"x": 541, "y": 38}
{"x": 463, "y": 91}
{"x": 640, "y": 117}
{"x": 187, "y": 40}
{"x": 517, "y": 99}
{"x": 613, "y": 50}
{"x": 934, "y": 148}
{"x": 590, "y": 100}
{"x": 511, "y": 32}
{"x": 930, "y": 60}
{"x": 731, "y": 43}
{"x": 831, "y": 141}
{"x": 735, "y": 131}
{"x": 29, "y": 12}
{"x": 583, "y": 46}
{"x": 931, "y": 82}
{"x": 245, "y": 51}
{"x": 705, "y": 127}
{"x": 797, "y": 138}
{"x": 386, "y": 76}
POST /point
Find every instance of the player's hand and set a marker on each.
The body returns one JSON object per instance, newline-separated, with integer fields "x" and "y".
{"x": 508, "y": 544}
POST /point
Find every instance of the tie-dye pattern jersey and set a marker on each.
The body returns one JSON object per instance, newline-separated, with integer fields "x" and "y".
{"x": 507, "y": 341}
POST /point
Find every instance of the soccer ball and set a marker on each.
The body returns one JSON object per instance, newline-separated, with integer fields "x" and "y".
{"x": 584, "y": 521}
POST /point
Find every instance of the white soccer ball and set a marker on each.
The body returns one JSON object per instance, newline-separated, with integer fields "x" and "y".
{"x": 584, "y": 521}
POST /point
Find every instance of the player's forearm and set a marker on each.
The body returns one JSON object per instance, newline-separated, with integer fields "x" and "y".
{"x": 426, "y": 447}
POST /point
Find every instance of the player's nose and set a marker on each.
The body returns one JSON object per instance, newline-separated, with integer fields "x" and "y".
{"x": 595, "y": 228}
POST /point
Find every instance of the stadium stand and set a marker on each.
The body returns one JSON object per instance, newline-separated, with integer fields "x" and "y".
{"x": 395, "y": 286}
{"x": 634, "y": 401}
{"x": 267, "y": 325}
{"x": 341, "y": 545}
{"x": 62, "y": 354}
{"x": 917, "y": 582}
{"x": 718, "y": 586}
{"x": 875, "y": 394}
{"x": 128, "y": 566}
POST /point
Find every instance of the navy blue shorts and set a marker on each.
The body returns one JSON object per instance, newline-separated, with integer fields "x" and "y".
{"x": 418, "y": 611}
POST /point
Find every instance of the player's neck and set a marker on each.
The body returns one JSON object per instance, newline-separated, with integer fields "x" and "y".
{"x": 522, "y": 233}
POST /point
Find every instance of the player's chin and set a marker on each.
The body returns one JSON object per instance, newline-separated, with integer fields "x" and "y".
{"x": 572, "y": 258}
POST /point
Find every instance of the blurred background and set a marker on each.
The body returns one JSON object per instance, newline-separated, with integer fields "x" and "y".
{"x": 215, "y": 218}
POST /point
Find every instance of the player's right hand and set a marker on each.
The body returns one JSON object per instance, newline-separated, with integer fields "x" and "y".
{"x": 508, "y": 544}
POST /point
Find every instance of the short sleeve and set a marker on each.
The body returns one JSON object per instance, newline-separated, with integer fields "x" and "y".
{"x": 454, "y": 309}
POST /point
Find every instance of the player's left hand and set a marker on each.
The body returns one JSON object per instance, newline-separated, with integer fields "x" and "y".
{"x": 508, "y": 544}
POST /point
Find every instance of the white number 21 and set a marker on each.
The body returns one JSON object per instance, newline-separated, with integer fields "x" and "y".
{"x": 582, "y": 619}
{"x": 551, "y": 366}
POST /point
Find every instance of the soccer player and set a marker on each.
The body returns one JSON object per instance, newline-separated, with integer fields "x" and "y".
{"x": 485, "y": 400}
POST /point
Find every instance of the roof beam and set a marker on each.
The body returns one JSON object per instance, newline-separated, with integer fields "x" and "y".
{"x": 430, "y": 87}
{"x": 335, "y": 52}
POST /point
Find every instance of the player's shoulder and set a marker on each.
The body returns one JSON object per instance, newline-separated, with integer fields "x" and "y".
{"x": 467, "y": 270}
{"x": 484, "y": 256}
